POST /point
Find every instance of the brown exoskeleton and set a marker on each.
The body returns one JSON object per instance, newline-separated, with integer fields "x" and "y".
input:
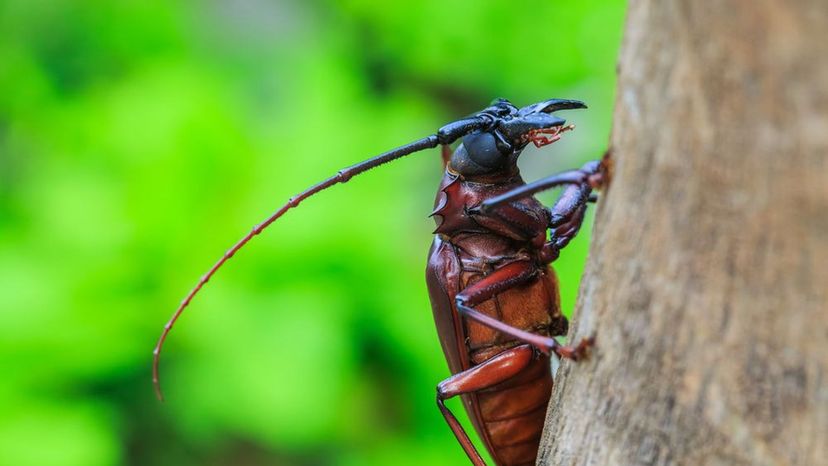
{"x": 494, "y": 297}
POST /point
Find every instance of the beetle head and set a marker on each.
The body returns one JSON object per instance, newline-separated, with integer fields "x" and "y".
{"x": 536, "y": 124}
{"x": 496, "y": 147}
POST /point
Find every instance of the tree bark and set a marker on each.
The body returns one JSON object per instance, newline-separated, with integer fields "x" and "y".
{"x": 707, "y": 282}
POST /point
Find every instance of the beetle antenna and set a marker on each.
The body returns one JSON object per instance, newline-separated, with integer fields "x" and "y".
{"x": 342, "y": 176}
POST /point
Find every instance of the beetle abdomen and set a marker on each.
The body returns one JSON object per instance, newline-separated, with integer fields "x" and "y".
{"x": 509, "y": 416}
{"x": 513, "y": 413}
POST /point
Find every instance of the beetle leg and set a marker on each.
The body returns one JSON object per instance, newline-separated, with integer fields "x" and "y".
{"x": 588, "y": 176}
{"x": 498, "y": 369}
{"x": 563, "y": 233}
{"x": 509, "y": 276}
{"x": 567, "y": 215}
{"x": 571, "y": 199}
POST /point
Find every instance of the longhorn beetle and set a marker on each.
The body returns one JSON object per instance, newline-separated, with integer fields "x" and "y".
{"x": 494, "y": 297}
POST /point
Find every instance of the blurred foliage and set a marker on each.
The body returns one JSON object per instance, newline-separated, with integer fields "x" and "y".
{"x": 139, "y": 139}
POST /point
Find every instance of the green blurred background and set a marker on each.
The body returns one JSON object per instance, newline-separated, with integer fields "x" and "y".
{"x": 140, "y": 139}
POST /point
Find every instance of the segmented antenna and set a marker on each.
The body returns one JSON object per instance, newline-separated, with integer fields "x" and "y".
{"x": 341, "y": 176}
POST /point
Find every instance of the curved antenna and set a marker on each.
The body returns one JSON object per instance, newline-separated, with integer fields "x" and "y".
{"x": 446, "y": 135}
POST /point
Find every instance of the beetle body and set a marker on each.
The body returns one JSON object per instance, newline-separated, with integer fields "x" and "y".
{"x": 509, "y": 418}
{"x": 494, "y": 297}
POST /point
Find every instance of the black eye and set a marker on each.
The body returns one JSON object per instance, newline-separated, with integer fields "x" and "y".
{"x": 482, "y": 149}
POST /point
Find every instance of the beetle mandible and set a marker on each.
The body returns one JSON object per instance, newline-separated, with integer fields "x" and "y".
{"x": 493, "y": 294}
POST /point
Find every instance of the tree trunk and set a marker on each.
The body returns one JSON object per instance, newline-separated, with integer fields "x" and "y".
{"x": 707, "y": 283}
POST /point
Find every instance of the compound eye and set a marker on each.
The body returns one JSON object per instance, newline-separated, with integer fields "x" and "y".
{"x": 482, "y": 149}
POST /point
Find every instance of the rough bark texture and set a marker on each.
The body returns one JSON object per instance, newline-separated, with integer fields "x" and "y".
{"x": 707, "y": 283}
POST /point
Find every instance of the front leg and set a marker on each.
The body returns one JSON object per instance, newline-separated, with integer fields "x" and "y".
{"x": 589, "y": 177}
{"x": 567, "y": 217}
{"x": 567, "y": 214}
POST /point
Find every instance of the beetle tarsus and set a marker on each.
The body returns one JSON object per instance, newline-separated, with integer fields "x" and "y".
{"x": 579, "y": 352}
